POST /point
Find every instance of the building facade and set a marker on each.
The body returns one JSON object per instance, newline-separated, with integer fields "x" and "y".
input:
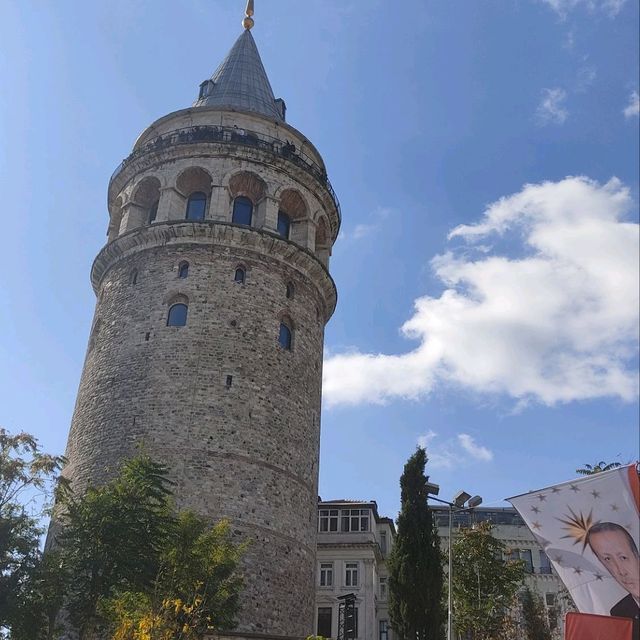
{"x": 510, "y": 529}
{"x": 353, "y": 545}
{"x": 213, "y": 291}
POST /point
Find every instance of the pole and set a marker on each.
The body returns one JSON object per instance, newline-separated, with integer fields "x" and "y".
{"x": 449, "y": 630}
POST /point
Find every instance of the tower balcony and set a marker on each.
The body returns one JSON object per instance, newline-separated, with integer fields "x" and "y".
{"x": 235, "y": 139}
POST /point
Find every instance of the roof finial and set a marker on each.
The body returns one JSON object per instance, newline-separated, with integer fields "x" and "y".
{"x": 247, "y": 23}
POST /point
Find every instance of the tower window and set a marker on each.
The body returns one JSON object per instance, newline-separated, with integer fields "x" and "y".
{"x": 177, "y": 316}
{"x": 133, "y": 276}
{"x": 183, "y": 270}
{"x": 285, "y": 336}
{"x": 153, "y": 211}
{"x": 196, "y": 206}
{"x": 242, "y": 211}
{"x": 240, "y": 275}
{"x": 284, "y": 224}
{"x": 290, "y": 290}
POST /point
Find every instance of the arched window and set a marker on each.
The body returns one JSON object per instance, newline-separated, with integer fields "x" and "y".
{"x": 183, "y": 270}
{"x": 240, "y": 275}
{"x": 285, "y": 336}
{"x": 177, "y": 316}
{"x": 290, "y": 290}
{"x": 242, "y": 211}
{"x": 153, "y": 211}
{"x": 284, "y": 224}
{"x": 133, "y": 276}
{"x": 196, "y": 206}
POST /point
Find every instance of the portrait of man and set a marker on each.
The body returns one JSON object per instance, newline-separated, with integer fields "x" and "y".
{"x": 618, "y": 553}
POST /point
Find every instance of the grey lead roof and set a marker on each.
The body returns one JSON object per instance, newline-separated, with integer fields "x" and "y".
{"x": 240, "y": 82}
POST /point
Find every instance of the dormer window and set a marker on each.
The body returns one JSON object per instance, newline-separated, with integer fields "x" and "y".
{"x": 206, "y": 88}
{"x": 354, "y": 520}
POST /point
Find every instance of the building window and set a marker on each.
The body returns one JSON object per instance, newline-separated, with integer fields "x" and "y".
{"x": 550, "y": 599}
{"x": 354, "y": 520}
{"x": 133, "y": 276}
{"x": 242, "y": 211}
{"x": 383, "y": 542}
{"x": 196, "y": 206}
{"x": 285, "y": 336}
{"x": 324, "y": 622}
{"x": 328, "y": 520}
{"x": 350, "y": 574}
{"x": 177, "y": 316}
{"x": 239, "y": 275}
{"x": 384, "y": 630}
{"x": 545, "y": 565}
{"x": 284, "y": 224}
{"x": 383, "y": 588}
{"x": 153, "y": 211}
{"x": 290, "y": 290}
{"x": 183, "y": 270}
{"x": 525, "y": 556}
{"x": 326, "y": 574}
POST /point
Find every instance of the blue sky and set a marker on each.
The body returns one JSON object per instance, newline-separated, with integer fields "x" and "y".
{"x": 486, "y": 158}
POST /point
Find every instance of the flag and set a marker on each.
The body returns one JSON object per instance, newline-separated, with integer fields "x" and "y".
{"x": 590, "y": 530}
{"x": 584, "y": 626}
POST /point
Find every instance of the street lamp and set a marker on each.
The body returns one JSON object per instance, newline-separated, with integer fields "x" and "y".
{"x": 459, "y": 500}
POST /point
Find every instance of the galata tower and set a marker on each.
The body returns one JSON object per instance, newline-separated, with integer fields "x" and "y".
{"x": 213, "y": 291}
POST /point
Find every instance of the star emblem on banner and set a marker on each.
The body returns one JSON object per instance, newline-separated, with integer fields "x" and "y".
{"x": 578, "y": 526}
{"x": 555, "y": 490}
{"x": 598, "y": 576}
{"x": 536, "y": 525}
{"x": 574, "y": 488}
{"x": 615, "y": 507}
{"x": 535, "y": 509}
{"x": 595, "y": 494}
{"x": 577, "y": 570}
{"x": 541, "y": 497}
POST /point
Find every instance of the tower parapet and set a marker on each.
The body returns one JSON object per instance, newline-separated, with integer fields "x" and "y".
{"x": 206, "y": 347}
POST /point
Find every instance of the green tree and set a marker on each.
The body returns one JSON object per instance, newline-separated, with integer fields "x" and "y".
{"x": 112, "y": 537}
{"x": 484, "y": 584}
{"x": 196, "y": 589}
{"x": 415, "y": 562}
{"x": 27, "y": 477}
{"x": 534, "y": 617}
{"x": 598, "y": 467}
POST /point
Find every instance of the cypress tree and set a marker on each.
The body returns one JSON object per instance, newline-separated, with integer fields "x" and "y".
{"x": 415, "y": 562}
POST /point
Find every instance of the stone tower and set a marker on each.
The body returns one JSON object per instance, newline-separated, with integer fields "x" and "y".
{"x": 213, "y": 292}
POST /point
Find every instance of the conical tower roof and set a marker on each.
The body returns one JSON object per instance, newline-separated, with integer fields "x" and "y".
{"x": 240, "y": 82}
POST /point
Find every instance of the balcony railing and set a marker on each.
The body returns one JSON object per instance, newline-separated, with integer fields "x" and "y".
{"x": 235, "y": 136}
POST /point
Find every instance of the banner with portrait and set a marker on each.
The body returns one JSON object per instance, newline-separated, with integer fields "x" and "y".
{"x": 590, "y": 530}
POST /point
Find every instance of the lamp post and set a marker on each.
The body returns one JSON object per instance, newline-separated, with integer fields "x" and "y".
{"x": 458, "y": 504}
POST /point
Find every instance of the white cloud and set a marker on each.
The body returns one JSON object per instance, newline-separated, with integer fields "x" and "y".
{"x": 563, "y": 7}
{"x": 451, "y": 453}
{"x": 551, "y": 109}
{"x": 633, "y": 108}
{"x": 361, "y": 231}
{"x": 553, "y": 322}
{"x": 474, "y": 449}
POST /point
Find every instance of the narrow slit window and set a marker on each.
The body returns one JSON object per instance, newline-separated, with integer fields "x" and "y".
{"x": 240, "y": 275}
{"x": 242, "y": 211}
{"x": 133, "y": 277}
{"x": 285, "y": 336}
{"x": 290, "y": 290}
{"x": 183, "y": 270}
{"x": 177, "y": 316}
{"x": 196, "y": 206}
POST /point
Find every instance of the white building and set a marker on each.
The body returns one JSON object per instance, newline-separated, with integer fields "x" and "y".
{"x": 353, "y": 544}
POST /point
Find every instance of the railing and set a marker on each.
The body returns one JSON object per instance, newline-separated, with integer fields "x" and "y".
{"x": 234, "y": 135}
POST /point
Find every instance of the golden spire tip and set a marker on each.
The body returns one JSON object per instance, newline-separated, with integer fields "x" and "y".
{"x": 247, "y": 23}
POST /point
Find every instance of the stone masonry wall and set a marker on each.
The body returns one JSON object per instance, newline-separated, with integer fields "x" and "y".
{"x": 234, "y": 415}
